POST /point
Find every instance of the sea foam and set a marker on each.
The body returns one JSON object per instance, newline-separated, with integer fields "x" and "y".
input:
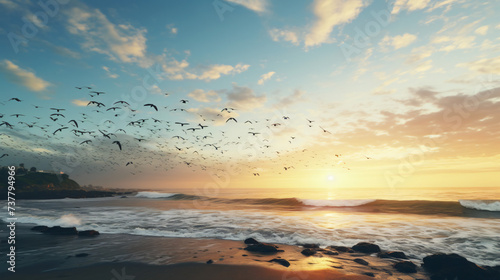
{"x": 484, "y": 205}
{"x": 154, "y": 195}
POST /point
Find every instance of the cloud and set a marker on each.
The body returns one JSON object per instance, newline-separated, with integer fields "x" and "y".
{"x": 485, "y": 66}
{"x": 284, "y": 35}
{"x": 297, "y": 96}
{"x": 211, "y": 114}
{"x": 24, "y": 78}
{"x": 330, "y": 13}
{"x": 482, "y": 30}
{"x": 258, "y": 6}
{"x": 454, "y": 43}
{"x": 410, "y": 5}
{"x": 80, "y": 103}
{"x": 419, "y": 53}
{"x": 265, "y": 77}
{"x": 204, "y": 96}
{"x": 121, "y": 42}
{"x": 111, "y": 75}
{"x": 244, "y": 98}
{"x": 172, "y": 29}
{"x": 398, "y": 41}
{"x": 178, "y": 70}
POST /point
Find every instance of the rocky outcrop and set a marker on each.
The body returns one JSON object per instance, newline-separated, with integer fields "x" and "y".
{"x": 452, "y": 266}
{"x": 392, "y": 254}
{"x": 365, "y": 247}
{"x": 405, "y": 267}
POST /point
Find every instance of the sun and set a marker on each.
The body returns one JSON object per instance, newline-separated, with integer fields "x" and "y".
{"x": 330, "y": 178}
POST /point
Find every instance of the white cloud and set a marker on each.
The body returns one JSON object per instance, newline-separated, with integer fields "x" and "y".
{"x": 178, "y": 70}
{"x": 265, "y": 77}
{"x": 24, "y": 78}
{"x": 81, "y": 103}
{"x": 120, "y": 42}
{"x": 111, "y": 75}
{"x": 204, "y": 96}
{"x": 482, "y": 30}
{"x": 244, "y": 98}
{"x": 330, "y": 13}
{"x": 258, "y": 6}
{"x": 410, "y": 5}
{"x": 454, "y": 43}
{"x": 172, "y": 29}
{"x": 424, "y": 66}
{"x": 485, "y": 66}
{"x": 420, "y": 53}
{"x": 284, "y": 35}
{"x": 398, "y": 41}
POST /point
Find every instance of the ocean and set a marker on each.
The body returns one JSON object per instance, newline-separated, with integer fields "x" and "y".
{"x": 418, "y": 222}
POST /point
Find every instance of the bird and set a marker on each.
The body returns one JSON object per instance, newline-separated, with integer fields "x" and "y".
{"x": 17, "y": 115}
{"x": 15, "y": 99}
{"x": 121, "y": 102}
{"x": 57, "y": 109}
{"x": 76, "y": 124}
{"x": 4, "y": 155}
{"x": 181, "y": 123}
{"x": 256, "y": 174}
{"x": 118, "y": 143}
{"x": 86, "y": 142}
{"x": 59, "y": 129}
{"x": 227, "y": 109}
{"x": 253, "y": 133}
{"x": 152, "y": 106}
{"x": 129, "y": 163}
{"x": 324, "y": 130}
{"x": 184, "y": 101}
{"x": 231, "y": 119}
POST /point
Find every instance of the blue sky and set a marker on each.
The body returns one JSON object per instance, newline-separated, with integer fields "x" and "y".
{"x": 346, "y": 65}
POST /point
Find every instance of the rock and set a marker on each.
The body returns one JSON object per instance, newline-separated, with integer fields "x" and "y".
{"x": 308, "y": 252}
{"x": 453, "y": 266}
{"x": 311, "y": 246}
{"x": 340, "y": 248}
{"x": 262, "y": 248}
{"x": 39, "y": 228}
{"x": 369, "y": 274}
{"x": 57, "y": 230}
{"x": 281, "y": 261}
{"x": 88, "y": 233}
{"x": 251, "y": 241}
{"x": 329, "y": 252}
{"x": 392, "y": 254}
{"x": 361, "y": 261}
{"x": 210, "y": 262}
{"x": 365, "y": 247}
{"x": 405, "y": 267}
{"x": 81, "y": 255}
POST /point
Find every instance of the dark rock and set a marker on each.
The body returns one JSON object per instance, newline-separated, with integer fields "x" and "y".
{"x": 365, "y": 247}
{"x": 369, "y": 274}
{"x": 88, "y": 233}
{"x": 392, "y": 254}
{"x": 262, "y": 248}
{"x": 405, "y": 267}
{"x": 251, "y": 241}
{"x": 39, "y": 228}
{"x": 330, "y": 253}
{"x": 281, "y": 261}
{"x": 453, "y": 266}
{"x": 361, "y": 261}
{"x": 81, "y": 255}
{"x": 57, "y": 230}
{"x": 311, "y": 246}
{"x": 210, "y": 262}
{"x": 308, "y": 252}
{"x": 341, "y": 248}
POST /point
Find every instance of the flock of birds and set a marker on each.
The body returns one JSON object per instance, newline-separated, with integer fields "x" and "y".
{"x": 140, "y": 137}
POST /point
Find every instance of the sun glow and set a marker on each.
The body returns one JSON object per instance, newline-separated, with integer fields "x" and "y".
{"x": 330, "y": 178}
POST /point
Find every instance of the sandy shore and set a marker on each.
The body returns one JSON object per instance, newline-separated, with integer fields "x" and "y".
{"x": 121, "y": 257}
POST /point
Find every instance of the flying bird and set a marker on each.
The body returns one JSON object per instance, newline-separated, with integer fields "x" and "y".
{"x": 233, "y": 119}
{"x": 118, "y": 143}
{"x": 59, "y": 129}
{"x": 4, "y": 155}
{"x": 152, "y": 106}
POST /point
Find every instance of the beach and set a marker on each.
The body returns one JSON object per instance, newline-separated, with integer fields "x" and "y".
{"x": 107, "y": 256}
{"x": 188, "y": 236}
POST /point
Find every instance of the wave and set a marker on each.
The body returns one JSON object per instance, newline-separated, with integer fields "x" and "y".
{"x": 154, "y": 195}
{"x": 336, "y": 203}
{"x": 484, "y": 205}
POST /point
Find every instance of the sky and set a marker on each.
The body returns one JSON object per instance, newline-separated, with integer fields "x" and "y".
{"x": 253, "y": 93}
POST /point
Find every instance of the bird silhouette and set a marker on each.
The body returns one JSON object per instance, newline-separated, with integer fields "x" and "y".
{"x": 118, "y": 143}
